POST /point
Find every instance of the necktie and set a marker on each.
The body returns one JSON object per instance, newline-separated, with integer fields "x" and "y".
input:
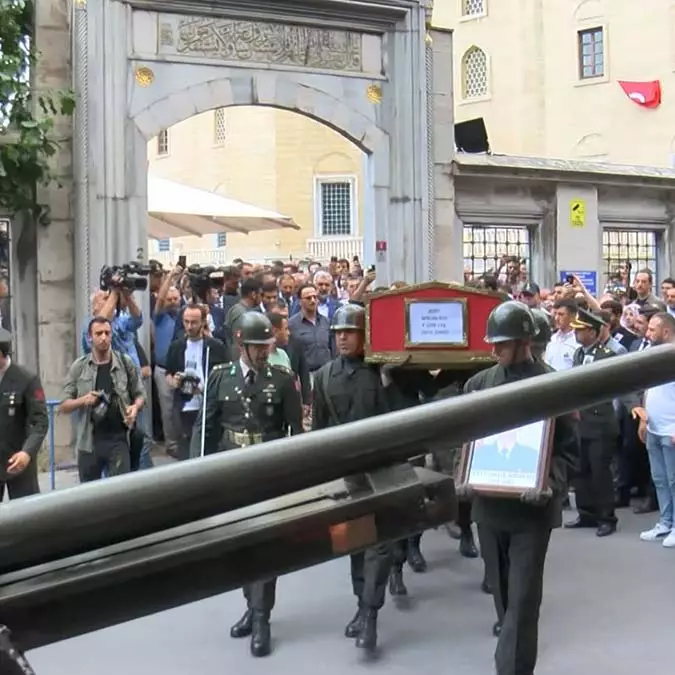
{"x": 250, "y": 377}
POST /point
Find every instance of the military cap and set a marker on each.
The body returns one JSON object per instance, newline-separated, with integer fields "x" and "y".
{"x": 584, "y": 319}
{"x": 530, "y": 288}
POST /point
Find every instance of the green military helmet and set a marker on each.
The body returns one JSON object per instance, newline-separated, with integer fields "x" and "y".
{"x": 349, "y": 317}
{"x": 542, "y": 322}
{"x": 512, "y": 320}
{"x": 256, "y": 329}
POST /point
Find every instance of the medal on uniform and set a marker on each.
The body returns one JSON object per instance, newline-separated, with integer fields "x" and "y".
{"x": 12, "y": 405}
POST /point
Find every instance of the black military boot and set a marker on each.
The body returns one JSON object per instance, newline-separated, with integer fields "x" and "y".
{"x": 415, "y": 558}
{"x": 354, "y": 627}
{"x": 467, "y": 545}
{"x": 261, "y": 639}
{"x": 485, "y": 586}
{"x": 243, "y": 627}
{"x": 367, "y": 638}
{"x": 396, "y": 585}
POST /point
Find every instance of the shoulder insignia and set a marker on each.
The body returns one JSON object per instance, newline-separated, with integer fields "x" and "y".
{"x": 281, "y": 368}
{"x": 220, "y": 366}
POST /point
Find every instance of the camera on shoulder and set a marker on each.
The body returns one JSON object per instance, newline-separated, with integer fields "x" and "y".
{"x": 132, "y": 276}
{"x": 203, "y": 279}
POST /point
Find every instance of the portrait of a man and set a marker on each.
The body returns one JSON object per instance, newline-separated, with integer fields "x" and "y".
{"x": 515, "y": 451}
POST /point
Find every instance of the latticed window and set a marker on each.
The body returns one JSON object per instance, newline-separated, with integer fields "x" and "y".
{"x": 473, "y": 7}
{"x": 474, "y": 73}
{"x": 163, "y": 143}
{"x": 164, "y": 245}
{"x": 219, "y": 127}
{"x": 591, "y": 53}
{"x": 221, "y": 239}
{"x": 336, "y": 208}
{"x": 484, "y": 246}
{"x": 638, "y": 247}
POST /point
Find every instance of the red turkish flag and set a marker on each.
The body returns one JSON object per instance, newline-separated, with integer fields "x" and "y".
{"x": 645, "y": 94}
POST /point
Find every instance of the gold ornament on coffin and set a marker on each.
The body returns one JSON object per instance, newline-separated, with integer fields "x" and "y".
{"x": 374, "y": 93}
{"x": 144, "y": 76}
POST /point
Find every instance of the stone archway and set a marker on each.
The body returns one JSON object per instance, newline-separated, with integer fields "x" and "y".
{"x": 361, "y": 68}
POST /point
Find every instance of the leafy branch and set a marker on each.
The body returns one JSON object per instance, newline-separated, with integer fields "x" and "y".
{"x": 26, "y": 117}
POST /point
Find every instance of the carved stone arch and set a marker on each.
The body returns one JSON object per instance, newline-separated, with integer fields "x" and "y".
{"x": 166, "y": 108}
{"x": 588, "y": 9}
{"x": 591, "y": 145}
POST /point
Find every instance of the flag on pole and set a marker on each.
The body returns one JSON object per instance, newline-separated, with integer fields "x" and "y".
{"x": 645, "y": 94}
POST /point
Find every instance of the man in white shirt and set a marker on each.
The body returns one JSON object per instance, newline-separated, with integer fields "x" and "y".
{"x": 657, "y": 429}
{"x": 560, "y": 350}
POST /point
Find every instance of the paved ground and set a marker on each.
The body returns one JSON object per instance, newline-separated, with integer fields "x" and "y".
{"x": 608, "y": 608}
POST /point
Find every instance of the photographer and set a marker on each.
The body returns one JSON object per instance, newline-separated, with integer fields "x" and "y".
{"x": 188, "y": 364}
{"x": 106, "y": 386}
{"x": 115, "y": 302}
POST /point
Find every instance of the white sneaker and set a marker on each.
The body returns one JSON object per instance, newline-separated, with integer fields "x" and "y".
{"x": 669, "y": 541}
{"x": 659, "y": 530}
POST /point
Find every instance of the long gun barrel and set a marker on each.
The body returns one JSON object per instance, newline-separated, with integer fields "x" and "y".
{"x": 40, "y": 529}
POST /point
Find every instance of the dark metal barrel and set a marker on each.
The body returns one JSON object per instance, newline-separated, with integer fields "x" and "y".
{"x": 40, "y": 529}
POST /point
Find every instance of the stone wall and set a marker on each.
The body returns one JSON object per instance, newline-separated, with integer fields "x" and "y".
{"x": 55, "y": 280}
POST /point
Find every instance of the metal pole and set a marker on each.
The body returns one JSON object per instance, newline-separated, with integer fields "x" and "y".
{"x": 52, "y": 450}
{"x": 67, "y": 522}
{"x": 202, "y": 440}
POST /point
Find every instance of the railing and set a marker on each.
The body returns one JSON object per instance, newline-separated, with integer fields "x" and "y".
{"x": 342, "y": 247}
{"x": 205, "y": 256}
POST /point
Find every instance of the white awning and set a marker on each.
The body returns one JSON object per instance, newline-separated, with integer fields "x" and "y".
{"x": 177, "y": 210}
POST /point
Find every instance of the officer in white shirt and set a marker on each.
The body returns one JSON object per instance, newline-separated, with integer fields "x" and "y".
{"x": 560, "y": 350}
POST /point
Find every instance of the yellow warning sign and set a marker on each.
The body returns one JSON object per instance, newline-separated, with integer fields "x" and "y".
{"x": 578, "y": 213}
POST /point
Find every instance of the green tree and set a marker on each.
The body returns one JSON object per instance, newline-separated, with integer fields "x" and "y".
{"x": 26, "y": 117}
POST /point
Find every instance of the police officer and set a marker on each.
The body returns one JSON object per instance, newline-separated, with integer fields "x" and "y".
{"x": 250, "y": 401}
{"x": 598, "y": 429}
{"x": 346, "y": 390}
{"x": 542, "y": 321}
{"x": 23, "y": 424}
{"x": 514, "y": 533}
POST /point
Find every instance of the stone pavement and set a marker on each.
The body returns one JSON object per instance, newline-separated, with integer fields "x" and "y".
{"x": 608, "y": 609}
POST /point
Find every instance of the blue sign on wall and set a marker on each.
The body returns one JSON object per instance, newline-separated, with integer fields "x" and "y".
{"x": 587, "y": 278}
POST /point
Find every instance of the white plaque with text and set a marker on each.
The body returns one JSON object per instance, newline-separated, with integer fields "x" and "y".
{"x": 436, "y": 322}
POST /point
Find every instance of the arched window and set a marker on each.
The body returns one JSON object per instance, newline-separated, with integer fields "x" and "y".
{"x": 474, "y": 73}
{"x": 473, "y": 7}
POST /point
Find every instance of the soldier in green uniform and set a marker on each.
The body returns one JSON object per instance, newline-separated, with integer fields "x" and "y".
{"x": 514, "y": 533}
{"x": 247, "y": 402}
{"x": 23, "y": 424}
{"x": 598, "y": 429}
{"x": 542, "y": 322}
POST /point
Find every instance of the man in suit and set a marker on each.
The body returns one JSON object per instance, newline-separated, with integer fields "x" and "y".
{"x": 23, "y": 424}
{"x": 188, "y": 364}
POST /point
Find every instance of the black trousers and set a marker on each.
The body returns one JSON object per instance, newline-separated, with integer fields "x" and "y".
{"x": 514, "y": 563}
{"x": 594, "y": 487}
{"x": 261, "y": 596}
{"x": 187, "y": 423}
{"x": 23, "y": 485}
{"x": 110, "y": 454}
{"x": 401, "y": 548}
{"x": 370, "y": 573}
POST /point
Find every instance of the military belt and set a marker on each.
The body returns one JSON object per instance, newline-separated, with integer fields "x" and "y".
{"x": 243, "y": 438}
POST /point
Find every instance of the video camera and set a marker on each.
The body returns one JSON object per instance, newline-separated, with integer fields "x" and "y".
{"x": 132, "y": 276}
{"x": 203, "y": 279}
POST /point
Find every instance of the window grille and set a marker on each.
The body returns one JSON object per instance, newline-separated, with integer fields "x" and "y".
{"x": 591, "y": 53}
{"x": 485, "y": 245}
{"x": 639, "y": 247}
{"x": 336, "y": 199}
{"x": 474, "y": 73}
{"x": 221, "y": 239}
{"x": 219, "y": 127}
{"x": 473, "y": 7}
{"x": 164, "y": 245}
{"x": 163, "y": 143}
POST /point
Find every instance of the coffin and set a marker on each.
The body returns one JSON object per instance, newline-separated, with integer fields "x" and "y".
{"x": 430, "y": 325}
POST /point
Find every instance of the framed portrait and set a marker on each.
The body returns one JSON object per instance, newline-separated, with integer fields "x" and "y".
{"x": 510, "y": 462}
